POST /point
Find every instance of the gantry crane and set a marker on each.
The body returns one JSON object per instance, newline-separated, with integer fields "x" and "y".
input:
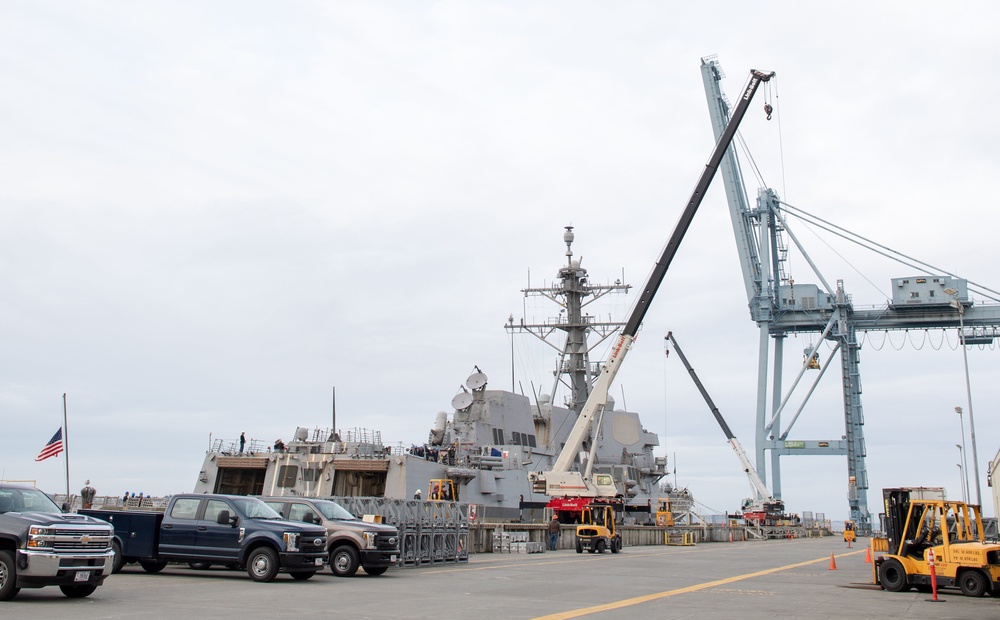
{"x": 781, "y": 306}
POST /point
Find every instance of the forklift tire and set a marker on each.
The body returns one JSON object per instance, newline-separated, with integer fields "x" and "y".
{"x": 579, "y": 547}
{"x": 615, "y": 546}
{"x": 973, "y": 583}
{"x": 893, "y": 576}
{"x": 600, "y": 546}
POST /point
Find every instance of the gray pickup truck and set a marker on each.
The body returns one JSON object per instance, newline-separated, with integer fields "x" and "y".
{"x": 351, "y": 542}
{"x": 40, "y": 546}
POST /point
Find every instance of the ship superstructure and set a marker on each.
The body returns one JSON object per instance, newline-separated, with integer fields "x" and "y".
{"x": 486, "y": 446}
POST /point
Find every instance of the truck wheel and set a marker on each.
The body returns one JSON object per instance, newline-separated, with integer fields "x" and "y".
{"x": 119, "y": 560}
{"x": 893, "y": 576}
{"x": 78, "y": 591}
{"x": 375, "y": 570}
{"x": 8, "y": 576}
{"x": 302, "y": 575}
{"x": 344, "y": 561}
{"x": 973, "y": 583}
{"x": 262, "y": 565}
{"x": 152, "y": 566}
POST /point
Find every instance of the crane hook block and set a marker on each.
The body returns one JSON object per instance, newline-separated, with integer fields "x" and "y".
{"x": 767, "y": 110}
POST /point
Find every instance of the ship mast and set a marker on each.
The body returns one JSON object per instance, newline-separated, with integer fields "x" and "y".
{"x": 572, "y": 291}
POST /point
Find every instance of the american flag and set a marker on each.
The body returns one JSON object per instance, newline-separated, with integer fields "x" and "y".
{"x": 53, "y": 448}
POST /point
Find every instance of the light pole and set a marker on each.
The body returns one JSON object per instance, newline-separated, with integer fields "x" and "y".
{"x": 961, "y": 480}
{"x": 963, "y": 467}
{"x": 956, "y": 304}
{"x": 965, "y": 452}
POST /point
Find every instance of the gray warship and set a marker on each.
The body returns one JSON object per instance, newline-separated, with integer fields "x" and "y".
{"x": 486, "y": 447}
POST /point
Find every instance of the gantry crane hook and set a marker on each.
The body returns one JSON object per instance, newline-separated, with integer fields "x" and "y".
{"x": 767, "y": 110}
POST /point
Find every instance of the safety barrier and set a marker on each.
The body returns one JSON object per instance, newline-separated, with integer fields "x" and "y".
{"x": 430, "y": 532}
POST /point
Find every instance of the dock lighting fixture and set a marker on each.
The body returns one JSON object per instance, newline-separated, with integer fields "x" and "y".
{"x": 964, "y": 466}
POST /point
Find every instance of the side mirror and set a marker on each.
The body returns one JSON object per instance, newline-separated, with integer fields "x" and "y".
{"x": 65, "y": 507}
{"x": 225, "y": 519}
{"x": 309, "y": 518}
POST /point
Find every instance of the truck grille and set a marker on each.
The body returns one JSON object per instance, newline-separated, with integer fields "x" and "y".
{"x": 307, "y": 544}
{"x": 387, "y": 542}
{"x": 70, "y": 540}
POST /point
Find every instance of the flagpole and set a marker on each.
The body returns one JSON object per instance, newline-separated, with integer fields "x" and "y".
{"x": 66, "y": 444}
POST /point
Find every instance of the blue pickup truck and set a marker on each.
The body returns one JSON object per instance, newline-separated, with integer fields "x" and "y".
{"x": 202, "y": 530}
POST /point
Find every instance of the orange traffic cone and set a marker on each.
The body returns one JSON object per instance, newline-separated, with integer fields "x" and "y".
{"x": 868, "y": 555}
{"x": 833, "y": 562}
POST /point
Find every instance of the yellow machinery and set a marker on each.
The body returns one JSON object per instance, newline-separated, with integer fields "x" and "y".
{"x": 664, "y": 516}
{"x": 598, "y": 530}
{"x": 442, "y": 490}
{"x": 952, "y": 530}
{"x": 849, "y": 535}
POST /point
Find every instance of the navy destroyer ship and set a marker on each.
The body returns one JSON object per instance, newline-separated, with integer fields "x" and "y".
{"x": 482, "y": 452}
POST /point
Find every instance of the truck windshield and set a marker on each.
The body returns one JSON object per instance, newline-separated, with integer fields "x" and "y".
{"x": 334, "y": 511}
{"x": 255, "y": 509}
{"x": 26, "y": 500}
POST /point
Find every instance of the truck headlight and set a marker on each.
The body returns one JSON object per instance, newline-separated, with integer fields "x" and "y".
{"x": 37, "y": 535}
{"x": 291, "y": 541}
{"x": 371, "y": 539}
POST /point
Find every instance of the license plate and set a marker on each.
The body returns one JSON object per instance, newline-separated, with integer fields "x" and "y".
{"x": 81, "y": 575}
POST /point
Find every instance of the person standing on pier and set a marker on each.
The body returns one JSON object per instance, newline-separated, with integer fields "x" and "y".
{"x": 553, "y": 533}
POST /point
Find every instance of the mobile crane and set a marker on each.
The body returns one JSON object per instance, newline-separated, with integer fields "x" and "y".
{"x": 572, "y": 490}
{"x": 763, "y": 508}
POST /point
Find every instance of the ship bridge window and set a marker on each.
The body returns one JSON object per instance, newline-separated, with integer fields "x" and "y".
{"x": 515, "y": 438}
{"x": 531, "y": 441}
{"x": 287, "y": 475}
{"x": 914, "y": 294}
{"x": 311, "y": 474}
{"x": 498, "y": 436}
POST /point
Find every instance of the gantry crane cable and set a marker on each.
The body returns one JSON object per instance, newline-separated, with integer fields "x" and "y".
{"x": 880, "y": 249}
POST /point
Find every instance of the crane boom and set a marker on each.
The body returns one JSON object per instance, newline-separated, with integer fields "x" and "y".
{"x": 560, "y": 481}
{"x": 760, "y": 490}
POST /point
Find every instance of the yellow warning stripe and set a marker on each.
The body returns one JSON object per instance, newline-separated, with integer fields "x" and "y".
{"x": 576, "y": 613}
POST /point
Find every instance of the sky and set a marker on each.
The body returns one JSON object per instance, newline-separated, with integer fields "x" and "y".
{"x": 213, "y": 214}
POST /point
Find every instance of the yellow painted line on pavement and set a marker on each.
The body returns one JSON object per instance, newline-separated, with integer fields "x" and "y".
{"x": 584, "y": 611}
{"x": 495, "y": 565}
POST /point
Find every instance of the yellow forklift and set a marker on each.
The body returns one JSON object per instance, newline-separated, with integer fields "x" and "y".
{"x": 442, "y": 490}
{"x": 953, "y": 531}
{"x": 598, "y": 530}
{"x": 849, "y": 534}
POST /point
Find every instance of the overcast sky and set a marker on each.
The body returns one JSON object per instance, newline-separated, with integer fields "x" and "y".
{"x": 214, "y": 213}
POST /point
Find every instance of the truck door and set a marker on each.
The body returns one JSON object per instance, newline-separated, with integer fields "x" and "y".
{"x": 179, "y": 530}
{"x": 218, "y": 540}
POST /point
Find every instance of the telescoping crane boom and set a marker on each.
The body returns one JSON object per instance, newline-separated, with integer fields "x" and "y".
{"x": 763, "y": 506}
{"x": 560, "y": 481}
